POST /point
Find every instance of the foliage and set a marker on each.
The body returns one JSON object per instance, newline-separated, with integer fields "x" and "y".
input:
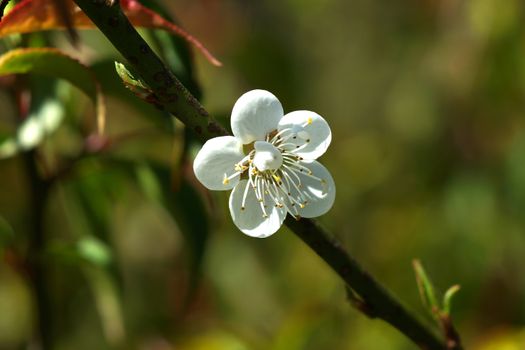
{"x": 425, "y": 102}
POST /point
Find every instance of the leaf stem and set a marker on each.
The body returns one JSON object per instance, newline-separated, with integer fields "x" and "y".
{"x": 176, "y": 99}
{"x": 36, "y": 264}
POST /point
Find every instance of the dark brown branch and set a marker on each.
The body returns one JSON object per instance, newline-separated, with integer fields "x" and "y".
{"x": 176, "y": 99}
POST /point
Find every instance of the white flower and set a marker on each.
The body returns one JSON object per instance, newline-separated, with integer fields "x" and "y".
{"x": 269, "y": 163}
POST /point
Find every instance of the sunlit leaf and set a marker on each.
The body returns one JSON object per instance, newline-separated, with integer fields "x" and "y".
{"x": 37, "y": 15}
{"x": 94, "y": 251}
{"x": 114, "y": 89}
{"x": 133, "y": 83}
{"x": 49, "y": 62}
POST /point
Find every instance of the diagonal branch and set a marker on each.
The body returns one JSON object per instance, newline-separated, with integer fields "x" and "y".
{"x": 172, "y": 96}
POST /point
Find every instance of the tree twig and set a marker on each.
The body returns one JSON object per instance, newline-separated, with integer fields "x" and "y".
{"x": 176, "y": 99}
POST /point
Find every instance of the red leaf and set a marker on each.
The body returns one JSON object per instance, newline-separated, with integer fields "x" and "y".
{"x": 38, "y": 15}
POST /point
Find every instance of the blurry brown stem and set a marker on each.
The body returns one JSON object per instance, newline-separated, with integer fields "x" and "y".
{"x": 176, "y": 99}
{"x": 63, "y": 12}
{"x": 449, "y": 331}
{"x": 37, "y": 269}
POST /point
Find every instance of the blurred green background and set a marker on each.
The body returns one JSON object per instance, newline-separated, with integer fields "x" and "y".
{"x": 426, "y": 101}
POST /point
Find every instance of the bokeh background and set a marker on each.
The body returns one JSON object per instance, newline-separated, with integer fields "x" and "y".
{"x": 426, "y": 103}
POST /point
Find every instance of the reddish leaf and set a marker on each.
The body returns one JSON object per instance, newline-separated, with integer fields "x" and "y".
{"x": 37, "y": 15}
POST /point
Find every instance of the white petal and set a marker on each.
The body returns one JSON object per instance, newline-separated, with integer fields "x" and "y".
{"x": 311, "y": 132}
{"x": 216, "y": 159}
{"x": 254, "y": 115}
{"x": 320, "y": 195}
{"x": 250, "y": 220}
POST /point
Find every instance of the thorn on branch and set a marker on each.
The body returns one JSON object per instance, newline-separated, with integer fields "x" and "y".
{"x": 359, "y": 303}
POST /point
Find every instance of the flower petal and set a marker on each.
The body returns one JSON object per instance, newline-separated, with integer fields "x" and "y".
{"x": 216, "y": 159}
{"x": 254, "y": 115}
{"x": 250, "y": 220}
{"x": 310, "y": 132}
{"x": 320, "y": 194}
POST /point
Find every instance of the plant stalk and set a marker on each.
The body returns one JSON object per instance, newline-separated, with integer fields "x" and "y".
{"x": 35, "y": 261}
{"x": 177, "y": 100}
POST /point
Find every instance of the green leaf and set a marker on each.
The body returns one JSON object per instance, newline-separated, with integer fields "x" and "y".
{"x": 447, "y": 298}
{"x": 94, "y": 251}
{"x": 112, "y": 85}
{"x": 131, "y": 80}
{"x": 53, "y": 63}
{"x": 134, "y": 83}
{"x": 426, "y": 289}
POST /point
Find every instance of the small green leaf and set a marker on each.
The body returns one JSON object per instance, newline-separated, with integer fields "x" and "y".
{"x": 94, "y": 251}
{"x": 447, "y": 298}
{"x": 136, "y": 85}
{"x": 426, "y": 289}
{"x": 129, "y": 78}
{"x": 53, "y": 63}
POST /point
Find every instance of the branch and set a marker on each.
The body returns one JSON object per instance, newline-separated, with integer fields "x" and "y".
{"x": 374, "y": 300}
{"x": 176, "y": 99}
{"x": 170, "y": 94}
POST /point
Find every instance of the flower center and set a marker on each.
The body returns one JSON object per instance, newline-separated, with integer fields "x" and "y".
{"x": 267, "y": 156}
{"x": 274, "y": 171}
